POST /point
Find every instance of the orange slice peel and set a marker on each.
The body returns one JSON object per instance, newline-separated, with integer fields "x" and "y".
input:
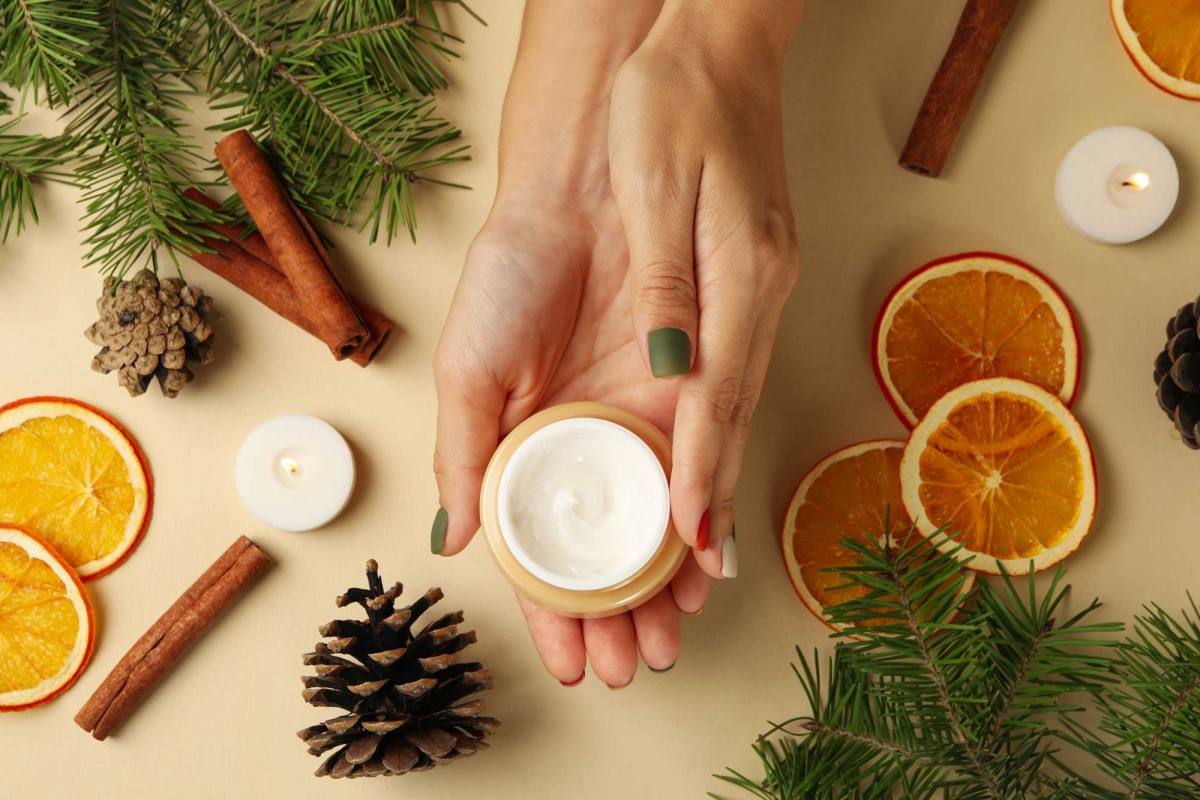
{"x": 70, "y": 474}
{"x": 47, "y": 626}
{"x": 1161, "y": 39}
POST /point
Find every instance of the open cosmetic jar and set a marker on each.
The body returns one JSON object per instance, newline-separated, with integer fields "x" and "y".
{"x": 577, "y": 512}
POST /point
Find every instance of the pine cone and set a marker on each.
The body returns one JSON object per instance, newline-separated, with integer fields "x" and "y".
{"x": 150, "y": 329}
{"x": 404, "y": 691}
{"x": 1177, "y": 375}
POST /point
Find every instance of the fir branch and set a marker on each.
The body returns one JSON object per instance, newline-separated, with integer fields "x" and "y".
{"x": 825, "y": 729}
{"x": 1032, "y": 657}
{"x": 917, "y": 628}
{"x": 968, "y": 698}
{"x": 264, "y": 54}
{"x": 139, "y": 165}
{"x": 46, "y": 46}
{"x": 347, "y": 117}
{"x": 25, "y": 161}
{"x": 1148, "y": 740}
{"x": 1146, "y": 764}
{"x": 367, "y": 30}
{"x": 341, "y": 91}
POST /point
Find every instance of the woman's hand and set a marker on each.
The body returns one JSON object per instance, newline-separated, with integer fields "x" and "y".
{"x": 698, "y": 175}
{"x": 542, "y": 314}
{"x": 541, "y": 317}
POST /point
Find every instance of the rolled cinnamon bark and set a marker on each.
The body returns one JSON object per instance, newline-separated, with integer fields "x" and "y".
{"x": 246, "y": 262}
{"x": 953, "y": 88}
{"x": 153, "y": 655}
{"x": 289, "y": 237}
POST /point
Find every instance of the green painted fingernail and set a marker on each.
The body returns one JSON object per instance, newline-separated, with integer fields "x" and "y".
{"x": 664, "y": 669}
{"x": 437, "y": 537}
{"x": 670, "y": 352}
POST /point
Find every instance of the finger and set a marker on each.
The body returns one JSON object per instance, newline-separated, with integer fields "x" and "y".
{"x": 657, "y": 205}
{"x": 470, "y": 403}
{"x": 729, "y": 464}
{"x": 689, "y": 587}
{"x": 707, "y": 399}
{"x": 612, "y": 649}
{"x": 558, "y": 640}
{"x": 656, "y": 624}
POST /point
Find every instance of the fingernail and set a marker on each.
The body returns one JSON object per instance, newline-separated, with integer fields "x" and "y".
{"x": 702, "y": 532}
{"x": 695, "y": 613}
{"x": 670, "y": 352}
{"x": 729, "y": 557}
{"x": 575, "y": 682}
{"x": 437, "y": 536}
{"x": 667, "y": 668}
{"x": 614, "y": 688}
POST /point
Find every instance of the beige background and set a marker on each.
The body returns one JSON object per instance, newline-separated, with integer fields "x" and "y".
{"x": 223, "y": 723}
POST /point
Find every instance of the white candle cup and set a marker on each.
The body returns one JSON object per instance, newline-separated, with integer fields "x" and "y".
{"x": 295, "y": 473}
{"x": 1117, "y": 185}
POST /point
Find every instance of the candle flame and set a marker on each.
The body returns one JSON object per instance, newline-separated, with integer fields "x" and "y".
{"x": 1137, "y": 181}
{"x": 290, "y": 465}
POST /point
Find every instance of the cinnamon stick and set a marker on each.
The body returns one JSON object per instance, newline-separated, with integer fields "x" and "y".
{"x": 292, "y": 243}
{"x": 953, "y": 88}
{"x": 246, "y": 262}
{"x": 153, "y": 655}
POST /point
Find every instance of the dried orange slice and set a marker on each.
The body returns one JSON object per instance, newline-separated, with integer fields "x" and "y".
{"x": 1007, "y": 469}
{"x": 46, "y": 623}
{"x": 73, "y": 476}
{"x": 852, "y": 493}
{"x": 968, "y": 317}
{"x": 1163, "y": 39}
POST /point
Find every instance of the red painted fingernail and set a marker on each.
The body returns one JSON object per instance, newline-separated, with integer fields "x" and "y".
{"x": 702, "y": 533}
{"x": 575, "y": 682}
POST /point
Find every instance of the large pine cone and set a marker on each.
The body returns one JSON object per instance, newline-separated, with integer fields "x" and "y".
{"x": 150, "y": 329}
{"x": 405, "y": 692}
{"x": 1177, "y": 374}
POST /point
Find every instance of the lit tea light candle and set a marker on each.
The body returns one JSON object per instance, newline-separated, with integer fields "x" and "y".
{"x": 295, "y": 472}
{"x": 1117, "y": 185}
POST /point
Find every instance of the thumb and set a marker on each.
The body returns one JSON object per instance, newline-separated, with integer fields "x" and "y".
{"x": 468, "y": 429}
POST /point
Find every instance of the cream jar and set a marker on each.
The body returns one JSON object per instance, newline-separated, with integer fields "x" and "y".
{"x": 576, "y": 510}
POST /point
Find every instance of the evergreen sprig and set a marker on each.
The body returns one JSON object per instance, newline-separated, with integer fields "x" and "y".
{"x": 46, "y": 46}
{"x": 135, "y": 162}
{"x": 340, "y": 94}
{"x": 976, "y": 694}
{"x": 25, "y": 161}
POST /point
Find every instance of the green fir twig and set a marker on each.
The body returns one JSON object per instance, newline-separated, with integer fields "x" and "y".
{"x": 25, "y": 161}
{"x": 986, "y": 696}
{"x": 340, "y": 93}
{"x": 340, "y": 97}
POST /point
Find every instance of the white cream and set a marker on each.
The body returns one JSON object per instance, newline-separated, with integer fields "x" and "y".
{"x": 583, "y": 504}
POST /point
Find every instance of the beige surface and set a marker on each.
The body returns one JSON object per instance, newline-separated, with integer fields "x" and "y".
{"x": 222, "y": 725}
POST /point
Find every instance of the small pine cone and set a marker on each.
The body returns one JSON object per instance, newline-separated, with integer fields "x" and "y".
{"x": 405, "y": 691}
{"x": 1177, "y": 374}
{"x": 150, "y": 328}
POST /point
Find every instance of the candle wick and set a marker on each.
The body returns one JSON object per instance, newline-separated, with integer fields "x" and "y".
{"x": 1138, "y": 181}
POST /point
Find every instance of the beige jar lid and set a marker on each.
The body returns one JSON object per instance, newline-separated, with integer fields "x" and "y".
{"x": 651, "y": 569}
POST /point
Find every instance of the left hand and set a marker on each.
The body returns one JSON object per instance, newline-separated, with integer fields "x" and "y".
{"x": 698, "y": 174}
